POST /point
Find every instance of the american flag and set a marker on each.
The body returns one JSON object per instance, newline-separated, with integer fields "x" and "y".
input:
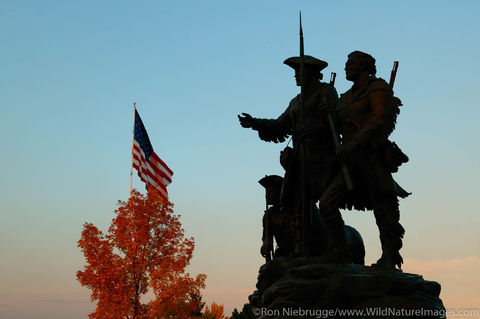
{"x": 151, "y": 169}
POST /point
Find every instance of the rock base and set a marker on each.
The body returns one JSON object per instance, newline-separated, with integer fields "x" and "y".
{"x": 310, "y": 288}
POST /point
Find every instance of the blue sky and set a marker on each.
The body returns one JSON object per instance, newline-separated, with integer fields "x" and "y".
{"x": 72, "y": 70}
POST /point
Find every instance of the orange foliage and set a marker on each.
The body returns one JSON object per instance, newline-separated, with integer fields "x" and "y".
{"x": 144, "y": 248}
{"x": 215, "y": 311}
{"x": 181, "y": 300}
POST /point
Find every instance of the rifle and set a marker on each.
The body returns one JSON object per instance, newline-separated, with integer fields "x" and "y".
{"x": 306, "y": 205}
{"x": 393, "y": 74}
{"x": 268, "y": 235}
{"x": 333, "y": 75}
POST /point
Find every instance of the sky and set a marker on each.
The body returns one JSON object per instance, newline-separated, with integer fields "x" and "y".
{"x": 71, "y": 71}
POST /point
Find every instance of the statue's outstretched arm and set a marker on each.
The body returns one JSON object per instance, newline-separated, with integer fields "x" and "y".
{"x": 269, "y": 130}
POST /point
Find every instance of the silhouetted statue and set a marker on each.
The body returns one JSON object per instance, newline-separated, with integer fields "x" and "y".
{"x": 313, "y": 147}
{"x": 365, "y": 117}
{"x": 343, "y": 158}
{"x": 279, "y": 224}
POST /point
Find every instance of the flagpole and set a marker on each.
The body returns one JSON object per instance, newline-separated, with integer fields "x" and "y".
{"x": 133, "y": 143}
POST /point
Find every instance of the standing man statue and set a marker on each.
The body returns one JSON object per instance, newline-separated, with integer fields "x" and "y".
{"x": 277, "y": 223}
{"x": 365, "y": 117}
{"x": 308, "y": 125}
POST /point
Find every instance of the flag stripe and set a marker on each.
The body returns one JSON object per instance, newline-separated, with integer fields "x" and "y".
{"x": 167, "y": 170}
{"x": 160, "y": 171}
{"x": 146, "y": 172}
{"x": 150, "y": 182}
{"x": 156, "y": 169}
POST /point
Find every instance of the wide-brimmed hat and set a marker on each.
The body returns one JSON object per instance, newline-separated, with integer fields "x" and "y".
{"x": 294, "y": 62}
{"x": 271, "y": 181}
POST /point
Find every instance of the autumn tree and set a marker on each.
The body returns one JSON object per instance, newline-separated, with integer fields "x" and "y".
{"x": 143, "y": 250}
{"x": 214, "y": 311}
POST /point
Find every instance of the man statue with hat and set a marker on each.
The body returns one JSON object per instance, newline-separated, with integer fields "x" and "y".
{"x": 276, "y": 223}
{"x": 307, "y": 123}
{"x": 365, "y": 117}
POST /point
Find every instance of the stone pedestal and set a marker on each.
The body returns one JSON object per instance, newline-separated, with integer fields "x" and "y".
{"x": 288, "y": 287}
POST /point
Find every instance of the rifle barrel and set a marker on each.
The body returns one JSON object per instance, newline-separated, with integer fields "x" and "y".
{"x": 333, "y": 76}
{"x": 393, "y": 74}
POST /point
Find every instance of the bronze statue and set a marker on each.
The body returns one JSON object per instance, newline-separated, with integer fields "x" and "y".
{"x": 279, "y": 224}
{"x": 343, "y": 158}
{"x": 365, "y": 117}
{"x": 313, "y": 147}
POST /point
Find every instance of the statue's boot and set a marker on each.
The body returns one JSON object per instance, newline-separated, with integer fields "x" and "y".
{"x": 389, "y": 260}
{"x": 391, "y": 235}
{"x": 338, "y": 250}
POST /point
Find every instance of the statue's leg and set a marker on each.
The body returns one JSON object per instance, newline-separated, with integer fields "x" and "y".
{"x": 302, "y": 219}
{"x": 303, "y": 222}
{"x": 387, "y": 216}
{"x": 299, "y": 228}
{"x": 334, "y": 194}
